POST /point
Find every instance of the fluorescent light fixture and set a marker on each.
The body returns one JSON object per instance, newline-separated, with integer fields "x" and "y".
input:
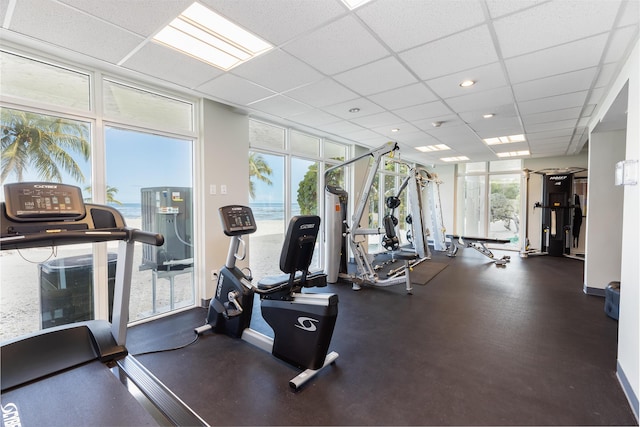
{"x": 504, "y": 139}
{"x": 467, "y": 83}
{"x": 429, "y": 148}
{"x": 353, "y": 4}
{"x": 514, "y": 153}
{"x": 454, "y": 159}
{"x": 203, "y": 34}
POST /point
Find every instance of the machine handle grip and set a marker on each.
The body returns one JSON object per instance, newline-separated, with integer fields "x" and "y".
{"x": 154, "y": 239}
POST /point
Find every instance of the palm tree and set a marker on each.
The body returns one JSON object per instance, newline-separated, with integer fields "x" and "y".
{"x": 111, "y": 194}
{"x": 43, "y": 142}
{"x": 259, "y": 169}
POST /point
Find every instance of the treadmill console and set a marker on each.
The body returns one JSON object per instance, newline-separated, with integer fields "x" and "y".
{"x": 237, "y": 220}
{"x": 43, "y": 201}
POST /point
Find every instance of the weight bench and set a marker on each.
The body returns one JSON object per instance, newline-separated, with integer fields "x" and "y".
{"x": 477, "y": 243}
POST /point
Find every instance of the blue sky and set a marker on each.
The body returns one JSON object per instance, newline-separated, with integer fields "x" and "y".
{"x": 134, "y": 161}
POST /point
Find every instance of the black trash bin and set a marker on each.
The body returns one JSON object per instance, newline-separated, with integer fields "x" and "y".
{"x": 66, "y": 289}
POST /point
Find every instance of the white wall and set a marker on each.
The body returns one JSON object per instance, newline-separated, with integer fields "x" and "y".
{"x": 224, "y": 160}
{"x": 604, "y": 212}
{"x": 629, "y": 320}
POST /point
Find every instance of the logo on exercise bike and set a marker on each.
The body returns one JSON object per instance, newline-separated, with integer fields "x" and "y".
{"x": 307, "y": 324}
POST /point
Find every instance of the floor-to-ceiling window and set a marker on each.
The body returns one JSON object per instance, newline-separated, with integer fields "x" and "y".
{"x": 488, "y": 199}
{"x": 60, "y": 123}
{"x": 284, "y": 181}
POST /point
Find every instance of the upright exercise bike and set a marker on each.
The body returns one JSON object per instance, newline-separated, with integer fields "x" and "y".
{"x": 302, "y": 323}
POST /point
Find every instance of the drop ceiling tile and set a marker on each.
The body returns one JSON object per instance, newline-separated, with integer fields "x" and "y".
{"x": 278, "y": 71}
{"x": 558, "y": 102}
{"x": 535, "y": 137}
{"x": 376, "y": 120}
{"x": 486, "y": 77}
{"x": 553, "y": 23}
{"x": 337, "y": 47}
{"x": 621, "y": 44}
{"x": 277, "y": 21}
{"x": 341, "y": 128}
{"x": 126, "y": 13}
{"x": 461, "y": 134}
{"x": 407, "y": 132}
{"x": 499, "y": 111}
{"x": 568, "y": 57}
{"x": 406, "y": 96}
{"x": 471, "y": 48}
{"x": 551, "y": 116}
{"x": 420, "y": 21}
{"x": 365, "y": 135}
{"x": 314, "y": 118}
{"x": 485, "y": 101}
{"x": 280, "y": 106}
{"x": 423, "y": 111}
{"x": 61, "y": 25}
{"x": 631, "y": 14}
{"x": 497, "y": 126}
{"x": 564, "y": 83}
{"x": 379, "y": 76}
{"x": 560, "y": 124}
{"x": 322, "y": 93}
{"x": 234, "y": 89}
{"x": 498, "y": 8}
{"x": 342, "y": 109}
{"x": 446, "y": 120}
{"x": 170, "y": 65}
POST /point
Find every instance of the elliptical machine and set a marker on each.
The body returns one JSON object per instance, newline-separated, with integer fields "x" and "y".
{"x": 302, "y": 323}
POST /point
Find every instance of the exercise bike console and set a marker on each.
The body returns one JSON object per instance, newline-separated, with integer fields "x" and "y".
{"x": 302, "y": 323}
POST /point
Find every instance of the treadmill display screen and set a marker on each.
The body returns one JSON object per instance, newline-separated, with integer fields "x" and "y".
{"x": 38, "y": 201}
{"x": 237, "y": 220}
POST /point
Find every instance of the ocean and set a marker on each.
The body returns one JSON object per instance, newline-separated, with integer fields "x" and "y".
{"x": 261, "y": 211}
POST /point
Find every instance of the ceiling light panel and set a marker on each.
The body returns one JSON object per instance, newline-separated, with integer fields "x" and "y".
{"x": 429, "y": 148}
{"x": 209, "y": 37}
{"x": 504, "y": 139}
{"x": 454, "y": 159}
{"x": 514, "y": 153}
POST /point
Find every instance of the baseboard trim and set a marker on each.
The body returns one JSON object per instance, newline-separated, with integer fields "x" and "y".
{"x": 628, "y": 391}
{"x": 598, "y": 292}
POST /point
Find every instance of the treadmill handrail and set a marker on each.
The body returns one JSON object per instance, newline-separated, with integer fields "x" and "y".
{"x": 70, "y": 237}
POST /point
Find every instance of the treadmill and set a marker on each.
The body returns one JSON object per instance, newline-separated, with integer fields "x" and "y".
{"x": 80, "y": 373}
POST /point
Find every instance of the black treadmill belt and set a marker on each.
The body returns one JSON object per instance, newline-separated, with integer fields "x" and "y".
{"x": 88, "y": 395}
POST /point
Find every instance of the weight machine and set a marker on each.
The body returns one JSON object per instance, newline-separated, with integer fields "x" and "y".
{"x": 340, "y": 237}
{"x": 559, "y": 201}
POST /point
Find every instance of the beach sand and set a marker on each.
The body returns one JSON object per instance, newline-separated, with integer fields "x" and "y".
{"x": 20, "y": 295}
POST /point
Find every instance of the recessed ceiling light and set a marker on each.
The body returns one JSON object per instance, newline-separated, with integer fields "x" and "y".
{"x": 514, "y": 153}
{"x": 437, "y": 147}
{"x": 203, "y": 34}
{"x": 488, "y": 116}
{"x": 353, "y": 4}
{"x": 504, "y": 139}
{"x": 467, "y": 83}
{"x": 436, "y": 124}
{"x": 454, "y": 159}
{"x": 354, "y": 110}
{"x": 395, "y": 130}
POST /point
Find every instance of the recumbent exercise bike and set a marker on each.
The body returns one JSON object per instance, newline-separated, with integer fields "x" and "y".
{"x": 302, "y": 323}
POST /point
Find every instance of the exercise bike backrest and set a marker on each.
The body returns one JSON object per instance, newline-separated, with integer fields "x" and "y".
{"x": 297, "y": 249}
